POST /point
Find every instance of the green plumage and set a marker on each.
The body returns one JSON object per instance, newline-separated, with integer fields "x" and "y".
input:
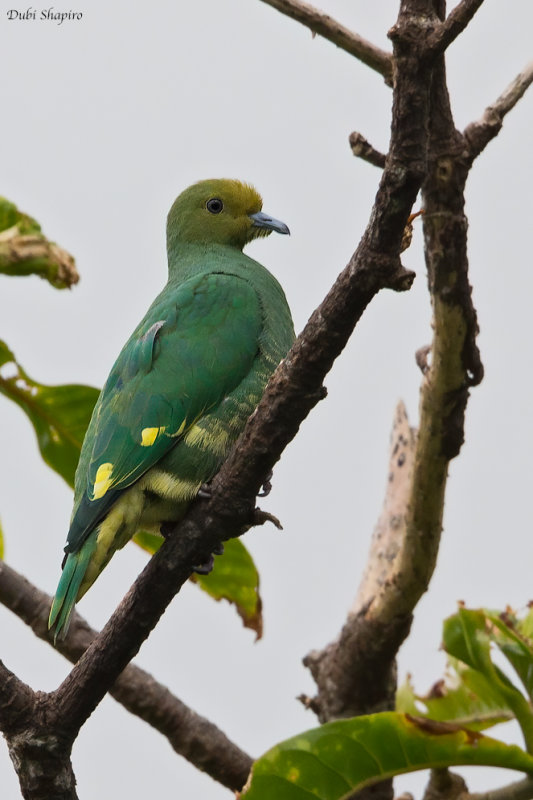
{"x": 183, "y": 386}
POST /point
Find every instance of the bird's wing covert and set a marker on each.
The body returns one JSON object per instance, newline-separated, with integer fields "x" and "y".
{"x": 194, "y": 347}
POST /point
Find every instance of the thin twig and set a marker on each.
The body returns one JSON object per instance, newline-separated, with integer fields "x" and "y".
{"x": 478, "y": 134}
{"x": 362, "y": 148}
{"x": 453, "y": 25}
{"x": 327, "y": 27}
{"x": 189, "y": 734}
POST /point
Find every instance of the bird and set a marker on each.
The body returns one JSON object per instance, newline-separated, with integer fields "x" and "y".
{"x": 183, "y": 385}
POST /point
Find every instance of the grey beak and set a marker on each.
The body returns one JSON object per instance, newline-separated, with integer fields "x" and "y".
{"x": 262, "y": 220}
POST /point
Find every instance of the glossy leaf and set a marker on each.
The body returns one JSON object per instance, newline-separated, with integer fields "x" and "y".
{"x": 234, "y": 577}
{"x": 467, "y": 636}
{"x": 515, "y": 645}
{"x": 331, "y": 762}
{"x": 464, "y": 696}
{"x": 59, "y": 414}
{"x": 24, "y": 250}
{"x": 524, "y": 624}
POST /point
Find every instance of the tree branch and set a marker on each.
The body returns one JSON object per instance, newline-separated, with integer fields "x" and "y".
{"x": 445, "y": 785}
{"x": 356, "y": 674}
{"x": 478, "y": 134}
{"x": 17, "y": 701}
{"x": 362, "y": 148}
{"x": 387, "y": 536}
{"x": 453, "y": 25}
{"x": 189, "y": 734}
{"x": 343, "y": 37}
{"x": 519, "y": 790}
{"x": 40, "y": 755}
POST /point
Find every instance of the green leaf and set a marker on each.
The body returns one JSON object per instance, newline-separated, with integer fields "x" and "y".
{"x": 59, "y": 414}
{"x": 24, "y": 250}
{"x": 467, "y": 636}
{"x": 525, "y": 624}
{"x": 515, "y": 645}
{"x": 234, "y": 577}
{"x": 10, "y": 217}
{"x": 330, "y": 762}
{"x": 150, "y": 542}
{"x": 464, "y": 696}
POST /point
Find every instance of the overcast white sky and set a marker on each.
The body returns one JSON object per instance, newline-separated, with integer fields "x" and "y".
{"x": 105, "y": 121}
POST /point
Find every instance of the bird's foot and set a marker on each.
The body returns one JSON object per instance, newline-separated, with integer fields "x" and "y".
{"x": 205, "y": 489}
{"x": 266, "y": 488}
{"x": 207, "y": 566}
{"x": 165, "y": 528}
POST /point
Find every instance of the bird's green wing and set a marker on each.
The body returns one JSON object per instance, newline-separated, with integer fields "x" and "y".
{"x": 195, "y": 345}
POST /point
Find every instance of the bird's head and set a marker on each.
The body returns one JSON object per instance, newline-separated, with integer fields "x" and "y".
{"x": 219, "y": 211}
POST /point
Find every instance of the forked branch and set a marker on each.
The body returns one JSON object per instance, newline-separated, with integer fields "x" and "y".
{"x": 189, "y": 734}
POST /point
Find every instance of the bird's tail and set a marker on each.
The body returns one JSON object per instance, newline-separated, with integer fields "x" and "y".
{"x": 74, "y": 570}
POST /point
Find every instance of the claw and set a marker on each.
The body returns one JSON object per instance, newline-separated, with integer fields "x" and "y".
{"x": 205, "y": 491}
{"x": 266, "y": 488}
{"x": 205, "y": 569}
{"x": 207, "y": 566}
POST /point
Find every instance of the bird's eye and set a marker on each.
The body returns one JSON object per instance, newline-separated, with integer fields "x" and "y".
{"x": 215, "y": 205}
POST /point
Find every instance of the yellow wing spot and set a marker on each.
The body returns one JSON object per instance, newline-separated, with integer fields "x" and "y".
{"x": 149, "y": 435}
{"x": 103, "y": 480}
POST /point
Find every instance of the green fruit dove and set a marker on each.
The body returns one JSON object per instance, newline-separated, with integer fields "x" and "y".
{"x": 182, "y": 387}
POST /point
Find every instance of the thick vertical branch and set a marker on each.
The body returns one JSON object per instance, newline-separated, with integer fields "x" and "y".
{"x": 352, "y": 673}
{"x": 356, "y": 673}
{"x": 454, "y": 364}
